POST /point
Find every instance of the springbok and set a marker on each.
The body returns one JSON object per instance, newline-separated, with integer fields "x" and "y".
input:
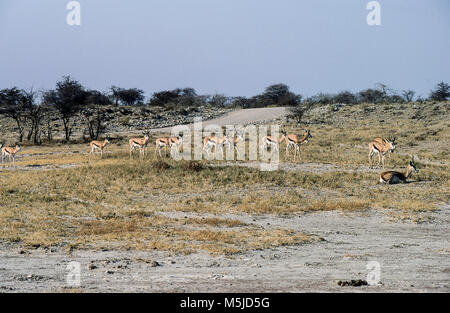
{"x": 235, "y": 138}
{"x": 140, "y": 143}
{"x": 273, "y": 142}
{"x": 175, "y": 142}
{"x": 10, "y": 153}
{"x": 217, "y": 142}
{"x": 385, "y": 141}
{"x": 394, "y": 177}
{"x": 375, "y": 147}
{"x": 97, "y": 145}
{"x": 162, "y": 142}
{"x": 294, "y": 141}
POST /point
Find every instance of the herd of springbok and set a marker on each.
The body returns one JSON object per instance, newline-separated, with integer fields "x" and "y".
{"x": 378, "y": 146}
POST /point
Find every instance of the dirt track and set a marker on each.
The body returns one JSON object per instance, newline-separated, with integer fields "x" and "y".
{"x": 241, "y": 117}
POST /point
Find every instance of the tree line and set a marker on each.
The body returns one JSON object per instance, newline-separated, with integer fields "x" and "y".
{"x": 33, "y": 111}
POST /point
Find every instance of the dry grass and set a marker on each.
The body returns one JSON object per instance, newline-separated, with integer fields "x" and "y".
{"x": 117, "y": 203}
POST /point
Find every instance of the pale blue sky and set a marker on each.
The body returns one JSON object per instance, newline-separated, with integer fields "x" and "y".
{"x": 236, "y": 47}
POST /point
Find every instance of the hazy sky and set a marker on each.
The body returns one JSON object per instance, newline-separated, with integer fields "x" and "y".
{"x": 236, "y": 47}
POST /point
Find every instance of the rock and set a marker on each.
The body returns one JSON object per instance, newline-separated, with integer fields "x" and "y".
{"x": 91, "y": 267}
{"x": 153, "y": 264}
{"x": 352, "y": 283}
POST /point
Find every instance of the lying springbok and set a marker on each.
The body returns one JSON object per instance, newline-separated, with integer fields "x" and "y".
{"x": 294, "y": 141}
{"x": 98, "y": 145}
{"x": 394, "y": 177}
{"x": 380, "y": 148}
{"x": 10, "y": 153}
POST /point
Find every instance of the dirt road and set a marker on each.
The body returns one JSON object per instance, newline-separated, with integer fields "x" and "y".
{"x": 241, "y": 117}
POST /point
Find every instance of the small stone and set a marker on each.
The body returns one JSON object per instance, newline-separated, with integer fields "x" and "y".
{"x": 153, "y": 264}
{"x": 91, "y": 266}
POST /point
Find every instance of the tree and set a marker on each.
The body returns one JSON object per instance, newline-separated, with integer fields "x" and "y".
{"x": 97, "y": 98}
{"x": 320, "y": 98}
{"x": 94, "y": 114}
{"x": 177, "y": 97}
{"x": 219, "y": 101}
{"x": 345, "y": 97}
{"x": 241, "y": 102}
{"x": 276, "y": 92}
{"x": 12, "y": 106}
{"x": 441, "y": 92}
{"x": 408, "y": 95}
{"x": 35, "y": 113}
{"x": 371, "y": 96}
{"x": 132, "y": 96}
{"x": 299, "y": 111}
{"x": 68, "y": 98}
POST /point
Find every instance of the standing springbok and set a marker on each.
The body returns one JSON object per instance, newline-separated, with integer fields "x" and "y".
{"x": 385, "y": 141}
{"x": 217, "y": 142}
{"x": 162, "y": 142}
{"x": 10, "y": 153}
{"x": 235, "y": 138}
{"x": 294, "y": 141}
{"x": 98, "y": 145}
{"x": 273, "y": 142}
{"x": 140, "y": 143}
{"x": 394, "y": 177}
{"x": 175, "y": 142}
{"x": 375, "y": 147}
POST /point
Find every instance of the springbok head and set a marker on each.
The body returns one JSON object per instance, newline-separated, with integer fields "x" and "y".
{"x": 308, "y": 134}
{"x": 392, "y": 143}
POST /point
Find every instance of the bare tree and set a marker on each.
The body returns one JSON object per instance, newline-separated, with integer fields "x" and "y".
{"x": 408, "y": 95}
{"x": 34, "y": 113}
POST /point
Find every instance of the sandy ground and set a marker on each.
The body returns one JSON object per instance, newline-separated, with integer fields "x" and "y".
{"x": 413, "y": 257}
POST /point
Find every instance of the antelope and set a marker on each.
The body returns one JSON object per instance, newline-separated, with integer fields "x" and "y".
{"x": 140, "y": 143}
{"x": 98, "y": 145}
{"x": 292, "y": 140}
{"x": 10, "y": 153}
{"x": 175, "y": 142}
{"x": 273, "y": 142}
{"x": 385, "y": 141}
{"x": 214, "y": 141}
{"x": 375, "y": 147}
{"x": 235, "y": 138}
{"x": 162, "y": 142}
{"x": 394, "y": 177}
